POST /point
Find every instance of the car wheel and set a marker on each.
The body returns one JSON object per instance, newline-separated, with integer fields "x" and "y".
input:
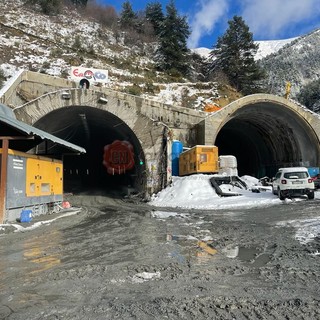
{"x": 280, "y": 195}
{"x": 311, "y": 195}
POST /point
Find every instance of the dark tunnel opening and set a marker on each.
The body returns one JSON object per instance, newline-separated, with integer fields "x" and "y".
{"x": 264, "y": 137}
{"x": 110, "y": 145}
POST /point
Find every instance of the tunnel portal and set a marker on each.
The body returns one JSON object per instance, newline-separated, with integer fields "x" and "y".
{"x": 94, "y": 129}
{"x": 265, "y": 136}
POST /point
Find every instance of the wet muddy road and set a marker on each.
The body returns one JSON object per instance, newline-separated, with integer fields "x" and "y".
{"x": 118, "y": 260}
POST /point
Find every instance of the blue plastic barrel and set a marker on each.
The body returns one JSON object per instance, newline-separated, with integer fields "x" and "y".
{"x": 177, "y": 148}
{"x": 25, "y": 216}
{"x": 313, "y": 171}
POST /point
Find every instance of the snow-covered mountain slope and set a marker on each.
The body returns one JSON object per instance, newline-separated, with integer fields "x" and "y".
{"x": 266, "y": 48}
{"x": 297, "y": 63}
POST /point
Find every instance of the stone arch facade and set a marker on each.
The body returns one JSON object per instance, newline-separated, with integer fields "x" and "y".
{"x": 46, "y": 111}
{"x": 265, "y": 132}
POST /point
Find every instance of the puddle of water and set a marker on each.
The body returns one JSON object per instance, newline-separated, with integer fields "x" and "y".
{"x": 204, "y": 250}
{"x": 261, "y": 260}
{"x": 43, "y": 261}
{"x": 191, "y": 246}
{"x": 247, "y": 254}
{"x": 253, "y": 256}
{"x": 38, "y": 252}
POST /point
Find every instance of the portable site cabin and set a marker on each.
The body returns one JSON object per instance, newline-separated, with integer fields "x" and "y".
{"x": 199, "y": 159}
{"x": 28, "y": 181}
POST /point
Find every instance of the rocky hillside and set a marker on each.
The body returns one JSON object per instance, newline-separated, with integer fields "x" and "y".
{"x": 30, "y": 40}
{"x": 33, "y": 41}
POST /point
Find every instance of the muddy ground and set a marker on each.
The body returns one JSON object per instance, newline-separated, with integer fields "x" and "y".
{"x": 118, "y": 259}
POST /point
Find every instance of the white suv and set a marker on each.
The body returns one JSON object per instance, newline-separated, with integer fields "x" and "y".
{"x": 293, "y": 182}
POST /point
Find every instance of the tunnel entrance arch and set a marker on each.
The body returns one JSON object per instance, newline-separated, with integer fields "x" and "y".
{"x": 94, "y": 130}
{"x": 57, "y": 111}
{"x": 265, "y": 133}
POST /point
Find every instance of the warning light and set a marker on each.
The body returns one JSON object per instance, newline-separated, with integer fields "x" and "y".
{"x": 141, "y": 162}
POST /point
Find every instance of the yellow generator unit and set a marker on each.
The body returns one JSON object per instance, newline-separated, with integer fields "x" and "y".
{"x": 33, "y": 182}
{"x": 199, "y": 159}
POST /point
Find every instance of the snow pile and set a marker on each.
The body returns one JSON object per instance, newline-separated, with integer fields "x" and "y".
{"x": 21, "y": 228}
{"x": 196, "y": 192}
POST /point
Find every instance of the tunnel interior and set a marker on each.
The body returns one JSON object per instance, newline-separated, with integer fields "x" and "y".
{"x": 264, "y": 137}
{"x": 95, "y": 130}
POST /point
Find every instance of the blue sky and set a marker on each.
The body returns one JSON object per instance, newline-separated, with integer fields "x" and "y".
{"x": 267, "y": 19}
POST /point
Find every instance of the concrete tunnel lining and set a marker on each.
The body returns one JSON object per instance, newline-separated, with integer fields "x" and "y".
{"x": 265, "y": 136}
{"x": 92, "y": 129}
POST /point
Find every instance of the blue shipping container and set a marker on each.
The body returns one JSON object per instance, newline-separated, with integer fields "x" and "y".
{"x": 25, "y": 216}
{"x": 177, "y": 148}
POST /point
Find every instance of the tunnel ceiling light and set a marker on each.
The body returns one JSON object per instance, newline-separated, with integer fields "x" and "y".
{"x": 103, "y": 100}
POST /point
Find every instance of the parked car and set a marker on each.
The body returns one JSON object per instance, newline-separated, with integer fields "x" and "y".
{"x": 293, "y": 182}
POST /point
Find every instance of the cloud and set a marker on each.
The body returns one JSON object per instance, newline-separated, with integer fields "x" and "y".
{"x": 205, "y": 18}
{"x": 271, "y": 18}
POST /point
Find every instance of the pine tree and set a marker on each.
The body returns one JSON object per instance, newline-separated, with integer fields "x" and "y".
{"x": 234, "y": 56}
{"x": 172, "y": 51}
{"x": 128, "y": 18}
{"x": 155, "y": 16}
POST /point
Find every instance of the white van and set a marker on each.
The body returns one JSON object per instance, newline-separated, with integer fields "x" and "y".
{"x": 293, "y": 182}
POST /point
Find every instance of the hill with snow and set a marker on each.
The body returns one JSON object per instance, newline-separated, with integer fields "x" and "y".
{"x": 297, "y": 62}
{"x": 266, "y": 48}
{"x": 32, "y": 41}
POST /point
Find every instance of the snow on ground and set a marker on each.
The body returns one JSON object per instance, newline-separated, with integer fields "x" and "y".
{"x": 196, "y": 192}
{"x": 21, "y": 228}
{"x": 306, "y": 229}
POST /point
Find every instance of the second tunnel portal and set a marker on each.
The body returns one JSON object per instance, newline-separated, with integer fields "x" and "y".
{"x": 265, "y": 136}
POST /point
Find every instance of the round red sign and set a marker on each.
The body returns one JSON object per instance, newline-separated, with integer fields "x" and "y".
{"x": 118, "y": 157}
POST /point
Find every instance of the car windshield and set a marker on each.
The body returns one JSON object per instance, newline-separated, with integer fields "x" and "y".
{"x": 296, "y": 175}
